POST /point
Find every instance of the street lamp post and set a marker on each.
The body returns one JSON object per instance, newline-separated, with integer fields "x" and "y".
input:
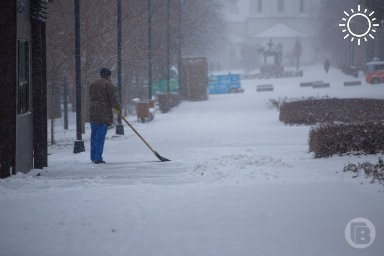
{"x": 65, "y": 103}
{"x": 168, "y": 46}
{"x": 119, "y": 126}
{"x": 79, "y": 143}
{"x": 149, "y": 50}
{"x": 378, "y": 41}
{"x": 179, "y": 46}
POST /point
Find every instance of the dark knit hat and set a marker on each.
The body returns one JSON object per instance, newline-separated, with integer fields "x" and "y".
{"x": 105, "y": 72}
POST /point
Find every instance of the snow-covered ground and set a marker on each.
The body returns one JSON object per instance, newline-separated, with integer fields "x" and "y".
{"x": 239, "y": 183}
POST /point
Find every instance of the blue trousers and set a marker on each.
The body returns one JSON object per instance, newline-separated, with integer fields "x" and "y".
{"x": 98, "y": 133}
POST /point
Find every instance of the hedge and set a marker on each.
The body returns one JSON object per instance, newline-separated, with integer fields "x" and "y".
{"x": 313, "y": 111}
{"x": 339, "y": 138}
{"x": 167, "y": 101}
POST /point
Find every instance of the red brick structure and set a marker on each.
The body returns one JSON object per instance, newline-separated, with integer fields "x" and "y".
{"x": 194, "y": 79}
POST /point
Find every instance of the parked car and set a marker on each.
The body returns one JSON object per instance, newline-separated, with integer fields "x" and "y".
{"x": 375, "y": 72}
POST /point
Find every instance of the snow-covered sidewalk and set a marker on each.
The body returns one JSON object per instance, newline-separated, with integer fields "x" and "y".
{"x": 239, "y": 183}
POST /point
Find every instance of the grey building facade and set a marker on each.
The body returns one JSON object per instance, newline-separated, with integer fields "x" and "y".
{"x": 23, "y": 122}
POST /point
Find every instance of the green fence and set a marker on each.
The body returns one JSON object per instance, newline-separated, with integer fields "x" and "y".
{"x": 160, "y": 86}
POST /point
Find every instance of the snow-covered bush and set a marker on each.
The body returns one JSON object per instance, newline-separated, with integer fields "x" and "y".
{"x": 374, "y": 171}
{"x": 313, "y": 111}
{"x": 340, "y": 138}
{"x": 277, "y": 103}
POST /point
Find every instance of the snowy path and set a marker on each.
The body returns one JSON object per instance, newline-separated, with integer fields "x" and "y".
{"x": 239, "y": 183}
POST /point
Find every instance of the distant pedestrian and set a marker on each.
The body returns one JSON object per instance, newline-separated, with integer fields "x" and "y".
{"x": 102, "y": 99}
{"x": 327, "y": 65}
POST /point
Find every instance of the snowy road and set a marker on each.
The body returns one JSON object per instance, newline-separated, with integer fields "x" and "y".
{"x": 239, "y": 183}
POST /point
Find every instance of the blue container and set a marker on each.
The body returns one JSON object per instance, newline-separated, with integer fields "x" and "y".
{"x": 223, "y": 83}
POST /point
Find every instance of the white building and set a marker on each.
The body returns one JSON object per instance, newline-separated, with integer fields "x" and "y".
{"x": 253, "y": 23}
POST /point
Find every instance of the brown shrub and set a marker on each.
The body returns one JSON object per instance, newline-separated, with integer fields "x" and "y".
{"x": 167, "y": 101}
{"x": 340, "y": 138}
{"x": 313, "y": 111}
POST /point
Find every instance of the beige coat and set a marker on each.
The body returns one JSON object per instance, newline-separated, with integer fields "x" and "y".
{"x": 102, "y": 98}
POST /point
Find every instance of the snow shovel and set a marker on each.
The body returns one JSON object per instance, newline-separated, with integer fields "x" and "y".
{"x": 162, "y": 159}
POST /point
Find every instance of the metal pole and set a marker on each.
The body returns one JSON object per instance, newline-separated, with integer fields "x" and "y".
{"x": 53, "y": 113}
{"x": 179, "y": 42}
{"x": 179, "y": 37}
{"x": 377, "y": 42}
{"x": 65, "y": 95}
{"x": 168, "y": 46}
{"x": 119, "y": 126}
{"x": 79, "y": 143}
{"x": 149, "y": 50}
{"x": 377, "y": 45}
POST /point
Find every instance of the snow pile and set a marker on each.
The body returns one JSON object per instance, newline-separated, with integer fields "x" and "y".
{"x": 248, "y": 167}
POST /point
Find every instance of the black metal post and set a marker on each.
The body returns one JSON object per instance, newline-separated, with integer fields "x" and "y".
{"x": 180, "y": 35}
{"x": 179, "y": 46}
{"x": 65, "y": 102}
{"x": 168, "y": 46}
{"x": 119, "y": 126}
{"x": 43, "y": 74}
{"x": 345, "y": 53}
{"x": 79, "y": 143}
{"x": 377, "y": 42}
{"x": 353, "y": 55}
{"x": 149, "y": 50}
